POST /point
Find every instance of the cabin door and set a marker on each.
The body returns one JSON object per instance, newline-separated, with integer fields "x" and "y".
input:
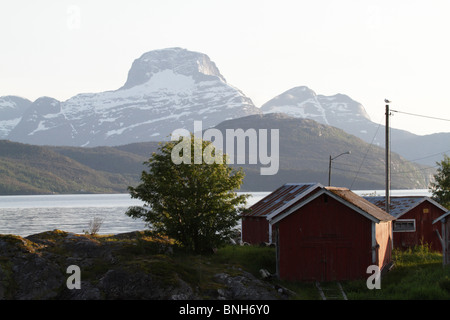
{"x": 337, "y": 261}
{"x": 327, "y": 261}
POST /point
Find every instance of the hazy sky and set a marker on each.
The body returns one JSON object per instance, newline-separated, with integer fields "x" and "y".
{"x": 369, "y": 50}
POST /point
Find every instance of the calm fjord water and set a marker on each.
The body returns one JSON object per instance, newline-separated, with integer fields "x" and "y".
{"x": 26, "y": 215}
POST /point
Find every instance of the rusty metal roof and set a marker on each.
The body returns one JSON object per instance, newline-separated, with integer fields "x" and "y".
{"x": 361, "y": 203}
{"x": 281, "y": 197}
{"x": 344, "y": 195}
{"x": 400, "y": 205}
{"x": 291, "y": 193}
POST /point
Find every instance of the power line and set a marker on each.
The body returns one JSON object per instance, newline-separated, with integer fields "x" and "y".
{"x": 392, "y": 173}
{"x": 416, "y": 170}
{"x": 343, "y": 164}
{"x": 365, "y": 156}
{"x": 429, "y": 156}
{"x": 420, "y": 115}
{"x": 353, "y": 171}
{"x": 358, "y": 172}
{"x": 412, "y": 160}
{"x": 428, "y": 117}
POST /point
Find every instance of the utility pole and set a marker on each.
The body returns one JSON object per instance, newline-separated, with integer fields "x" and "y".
{"x": 329, "y": 171}
{"x": 388, "y": 159}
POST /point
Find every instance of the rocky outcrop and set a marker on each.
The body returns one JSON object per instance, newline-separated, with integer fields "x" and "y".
{"x": 135, "y": 265}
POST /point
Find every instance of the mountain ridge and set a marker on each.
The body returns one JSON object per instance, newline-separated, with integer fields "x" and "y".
{"x": 165, "y": 90}
{"x": 304, "y": 149}
{"x": 306, "y": 145}
{"x": 31, "y": 169}
{"x": 169, "y": 89}
{"x": 343, "y": 112}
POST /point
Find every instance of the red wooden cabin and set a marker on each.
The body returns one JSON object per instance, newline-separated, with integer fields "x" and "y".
{"x": 414, "y": 220}
{"x": 255, "y": 227}
{"x": 324, "y": 233}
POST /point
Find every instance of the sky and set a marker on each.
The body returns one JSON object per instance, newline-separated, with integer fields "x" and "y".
{"x": 368, "y": 50}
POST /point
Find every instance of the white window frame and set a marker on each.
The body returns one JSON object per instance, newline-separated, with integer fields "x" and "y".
{"x": 405, "y": 220}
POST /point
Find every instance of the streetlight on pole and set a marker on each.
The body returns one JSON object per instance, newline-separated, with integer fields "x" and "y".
{"x": 329, "y": 165}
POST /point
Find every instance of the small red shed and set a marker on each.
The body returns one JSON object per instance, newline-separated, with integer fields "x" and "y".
{"x": 255, "y": 228}
{"x": 444, "y": 236}
{"x": 414, "y": 220}
{"x": 330, "y": 234}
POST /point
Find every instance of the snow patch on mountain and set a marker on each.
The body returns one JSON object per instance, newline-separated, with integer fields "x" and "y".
{"x": 11, "y": 110}
{"x": 7, "y": 125}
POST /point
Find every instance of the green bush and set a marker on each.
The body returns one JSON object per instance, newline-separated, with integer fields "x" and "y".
{"x": 444, "y": 284}
{"x": 417, "y": 254}
{"x": 252, "y": 258}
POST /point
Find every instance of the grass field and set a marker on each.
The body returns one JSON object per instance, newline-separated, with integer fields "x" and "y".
{"x": 418, "y": 274}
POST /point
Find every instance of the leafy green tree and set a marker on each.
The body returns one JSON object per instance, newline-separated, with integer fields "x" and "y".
{"x": 440, "y": 188}
{"x": 191, "y": 202}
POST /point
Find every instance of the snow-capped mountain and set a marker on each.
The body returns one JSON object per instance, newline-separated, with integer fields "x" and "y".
{"x": 169, "y": 89}
{"x": 165, "y": 90}
{"x": 11, "y": 111}
{"x": 342, "y": 112}
{"x": 338, "y": 110}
